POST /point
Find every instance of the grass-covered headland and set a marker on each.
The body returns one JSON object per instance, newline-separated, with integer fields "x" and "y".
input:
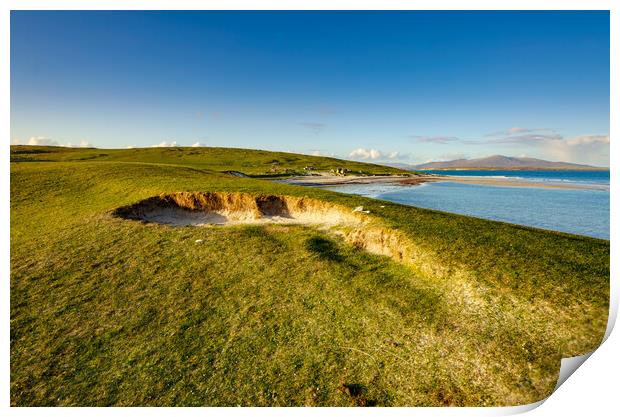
{"x": 112, "y": 311}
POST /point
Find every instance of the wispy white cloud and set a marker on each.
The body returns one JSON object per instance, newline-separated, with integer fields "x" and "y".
{"x": 82, "y": 144}
{"x": 519, "y": 136}
{"x": 375, "y": 154}
{"x": 45, "y": 141}
{"x": 588, "y": 140}
{"x": 324, "y": 109}
{"x": 36, "y": 141}
{"x": 449, "y": 157}
{"x": 549, "y": 144}
{"x": 530, "y": 138}
{"x": 198, "y": 145}
{"x": 519, "y": 131}
{"x": 443, "y": 140}
{"x": 314, "y": 127}
{"x": 395, "y": 155}
{"x": 585, "y": 149}
{"x": 166, "y": 144}
{"x": 41, "y": 141}
{"x": 320, "y": 152}
{"x": 363, "y": 153}
{"x": 540, "y": 142}
{"x": 514, "y": 135}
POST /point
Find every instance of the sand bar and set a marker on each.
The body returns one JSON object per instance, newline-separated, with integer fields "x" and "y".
{"x": 334, "y": 180}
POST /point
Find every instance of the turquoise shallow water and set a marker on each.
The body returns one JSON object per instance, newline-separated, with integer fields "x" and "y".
{"x": 569, "y": 176}
{"x": 583, "y": 212}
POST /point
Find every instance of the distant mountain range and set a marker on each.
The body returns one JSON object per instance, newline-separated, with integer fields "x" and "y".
{"x": 502, "y": 162}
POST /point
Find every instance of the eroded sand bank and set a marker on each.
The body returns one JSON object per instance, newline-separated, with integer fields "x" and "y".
{"x": 354, "y": 225}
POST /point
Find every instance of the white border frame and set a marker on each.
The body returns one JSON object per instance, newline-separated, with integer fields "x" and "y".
{"x": 593, "y": 388}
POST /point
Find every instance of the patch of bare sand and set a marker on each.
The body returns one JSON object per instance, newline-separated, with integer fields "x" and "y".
{"x": 326, "y": 180}
{"x": 405, "y": 180}
{"x": 204, "y": 209}
{"x": 516, "y": 182}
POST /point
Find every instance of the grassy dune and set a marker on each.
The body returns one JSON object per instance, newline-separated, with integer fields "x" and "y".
{"x": 248, "y": 161}
{"x": 107, "y": 311}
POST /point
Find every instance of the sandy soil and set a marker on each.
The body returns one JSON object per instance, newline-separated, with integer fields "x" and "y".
{"x": 214, "y": 209}
{"x": 327, "y": 180}
{"x": 176, "y": 216}
{"x": 416, "y": 180}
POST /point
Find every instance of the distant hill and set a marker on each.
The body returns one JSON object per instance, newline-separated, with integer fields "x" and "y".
{"x": 503, "y": 162}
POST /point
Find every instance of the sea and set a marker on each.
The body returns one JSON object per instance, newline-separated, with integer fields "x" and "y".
{"x": 583, "y": 211}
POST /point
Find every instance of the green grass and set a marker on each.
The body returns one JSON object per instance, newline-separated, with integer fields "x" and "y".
{"x": 250, "y": 162}
{"x": 106, "y": 311}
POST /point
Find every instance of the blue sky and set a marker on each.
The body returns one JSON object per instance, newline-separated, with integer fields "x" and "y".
{"x": 380, "y": 86}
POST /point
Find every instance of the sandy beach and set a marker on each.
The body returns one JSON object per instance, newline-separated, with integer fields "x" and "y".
{"x": 333, "y": 180}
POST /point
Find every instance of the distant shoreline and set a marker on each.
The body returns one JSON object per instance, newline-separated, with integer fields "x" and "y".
{"x": 512, "y": 169}
{"x": 414, "y": 180}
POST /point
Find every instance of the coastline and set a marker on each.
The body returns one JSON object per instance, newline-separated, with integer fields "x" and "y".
{"x": 413, "y": 180}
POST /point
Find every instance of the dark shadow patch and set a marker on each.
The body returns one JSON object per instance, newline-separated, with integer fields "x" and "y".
{"x": 324, "y": 249}
{"x": 272, "y": 205}
{"x": 263, "y": 235}
{"x": 358, "y": 393}
{"x": 28, "y": 151}
{"x": 254, "y": 231}
{"x": 101, "y": 155}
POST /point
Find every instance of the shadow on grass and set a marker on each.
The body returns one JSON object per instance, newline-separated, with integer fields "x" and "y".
{"x": 324, "y": 249}
{"x": 358, "y": 393}
{"x": 365, "y": 278}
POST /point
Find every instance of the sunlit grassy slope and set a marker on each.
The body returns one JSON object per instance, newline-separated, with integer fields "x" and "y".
{"x": 248, "y": 161}
{"x": 106, "y": 311}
